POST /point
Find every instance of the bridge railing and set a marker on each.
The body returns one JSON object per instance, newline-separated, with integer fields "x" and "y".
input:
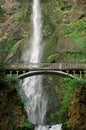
{"x": 41, "y": 66}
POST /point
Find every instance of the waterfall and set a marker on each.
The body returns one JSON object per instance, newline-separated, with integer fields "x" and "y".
{"x": 54, "y": 127}
{"x": 36, "y": 101}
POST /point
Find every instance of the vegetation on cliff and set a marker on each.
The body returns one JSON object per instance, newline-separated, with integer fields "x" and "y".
{"x": 12, "y": 113}
{"x": 64, "y": 40}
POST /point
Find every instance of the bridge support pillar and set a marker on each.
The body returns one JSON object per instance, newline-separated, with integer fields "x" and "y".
{"x": 74, "y": 72}
{"x": 80, "y": 74}
{"x": 23, "y": 72}
{"x": 17, "y": 72}
{"x": 11, "y": 73}
{"x": 67, "y": 72}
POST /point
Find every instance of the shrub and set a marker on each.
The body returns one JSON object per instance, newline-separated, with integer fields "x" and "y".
{"x": 28, "y": 126}
{"x": 1, "y": 13}
{"x": 69, "y": 86}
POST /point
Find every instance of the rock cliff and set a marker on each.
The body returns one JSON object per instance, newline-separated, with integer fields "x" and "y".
{"x": 64, "y": 40}
{"x": 77, "y": 111}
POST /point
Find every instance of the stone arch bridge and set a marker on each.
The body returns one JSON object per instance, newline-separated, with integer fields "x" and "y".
{"x": 22, "y": 70}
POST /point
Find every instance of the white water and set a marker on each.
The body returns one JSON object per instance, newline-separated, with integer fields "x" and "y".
{"x": 54, "y": 127}
{"x": 36, "y": 101}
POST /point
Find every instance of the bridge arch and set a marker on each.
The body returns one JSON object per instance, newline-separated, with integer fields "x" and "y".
{"x": 22, "y": 70}
{"x": 45, "y": 72}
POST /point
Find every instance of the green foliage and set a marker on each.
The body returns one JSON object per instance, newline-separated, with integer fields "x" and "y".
{"x": 53, "y": 57}
{"x": 60, "y": 1}
{"x": 24, "y": 15}
{"x": 14, "y": 82}
{"x": 79, "y": 39}
{"x": 47, "y": 29}
{"x": 54, "y": 118}
{"x": 27, "y": 1}
{"x": 51, "y": 45}
{"x": 27, "y": 13}
{"x": 68, "y": 7}
{"x": 13, "y": 12}
{"x": 1, "y": 13}
{"x": 75, "y": 57}
{"x": 65, "y": 126}
{"x": 43, "y": 1}
{"x": 52, "y": 13}
{"x": 1, "y": 70}
{"x": 7, "y": 46}
{"x": 76, "y": 31}
{"x": 69, "y": 86}
{"x": 10, "y": 81}
{"x": 1, "y": 74}
{"x": 28, "y": 126}
{"x": 78, "y": 26}
{"x": 19, "y": 17}
{"x": 69, "y": 56}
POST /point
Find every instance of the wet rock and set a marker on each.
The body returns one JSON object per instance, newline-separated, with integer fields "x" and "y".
{"x": 66, "y": 44}
{"x": 77, "y": 111}
{"x": 16, "y": 34}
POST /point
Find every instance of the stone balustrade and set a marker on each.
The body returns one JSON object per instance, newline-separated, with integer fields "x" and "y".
{"x": 46, "y": 66}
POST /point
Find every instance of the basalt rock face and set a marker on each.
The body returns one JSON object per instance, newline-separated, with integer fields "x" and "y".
{"x": 77, "y": 111}
{"x": 61, "y": 34}
{"x": 16, "y": 27}
{"x": 12, "y": 113}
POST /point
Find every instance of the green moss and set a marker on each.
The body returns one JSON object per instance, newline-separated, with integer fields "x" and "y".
{"x": 26, "y": 1}
{"x": 76, "y": 57}
{"x": 24, "y": 15}
{"x": 60, "y": 1}
{"x": 76, "y": 31}
{"x": 2, "y": 79}
{"x": 68, "y": 7}
{"x": 78, "y": 26}
{"x": 9, "y": 83}
{"x": 65, "y": 126}
{"x": 7, "y": 46}
{"x": 19, "y": 17}
{"x": 53, "y": 57}
{"x": 1, "y": 13}
{"x": 28, "y": 126}
{"x": 14, "y": 82}
{"x": 69, "y": 56}
{"x": 51, "y": 44}
{"x": 79, "y": 39}
{"x": 69, "y": 85}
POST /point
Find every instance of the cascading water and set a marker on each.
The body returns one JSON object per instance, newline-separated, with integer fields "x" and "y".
{"x": 36, "y": 101}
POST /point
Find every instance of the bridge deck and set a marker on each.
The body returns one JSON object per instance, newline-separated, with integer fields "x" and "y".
{"x": 45, "y": 66}
{"x": 22, "y": 70}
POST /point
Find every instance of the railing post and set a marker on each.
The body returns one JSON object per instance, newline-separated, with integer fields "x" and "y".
{"x": 80, "y": 74}
{"x": 53, "y": 65}
{"x": 67, "y": 72}
{"x": 11, "y": 73}
{"x": 23, "y": 72}
{"x": 60, "y": 66}
{"x": 17, "y": 72}
{"x": 74, "y": 72}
